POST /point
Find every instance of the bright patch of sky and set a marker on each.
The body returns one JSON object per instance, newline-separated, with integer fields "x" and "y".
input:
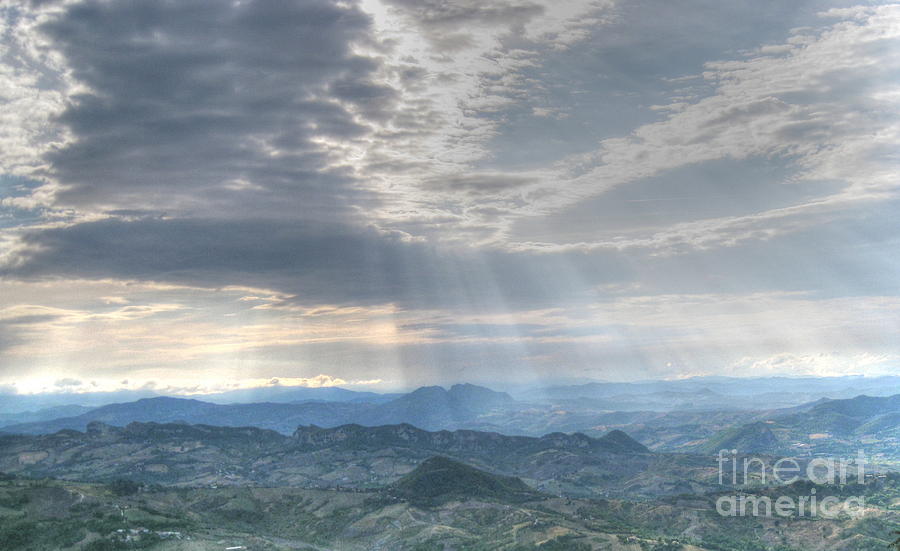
{"x": 15, "y": 207}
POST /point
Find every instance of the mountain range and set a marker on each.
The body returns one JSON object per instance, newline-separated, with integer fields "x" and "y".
{"x": 459, "y": 467}
{"x": 428, "y": 407}
{"x": 840, "y": 427}
{"x": 346, "y": 456}
{"x": 714, "y": 393}
{"x": 694, "y": 393}
{"x": 833, "y": 426}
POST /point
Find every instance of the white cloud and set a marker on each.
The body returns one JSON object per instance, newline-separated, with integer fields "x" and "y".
{"x": 817, "y": 365}
{"x": 454, "y": 105}
{"x": 33, "y": 87}
{"x": 829, "y": 104}
{"x": 826, "y": 100}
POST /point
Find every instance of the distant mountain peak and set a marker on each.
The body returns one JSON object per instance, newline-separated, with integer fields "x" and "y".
{"x": 468, "y": 387}
{"x": 624, "y": 442}
{"x": 751, "y": 438}
{"x": 860, "y": 406}
{"x": 166, "y": 400}
{"x": 432, "y": 407}
{"x": 431, "y": 389}
{"x": 613, "y": 442}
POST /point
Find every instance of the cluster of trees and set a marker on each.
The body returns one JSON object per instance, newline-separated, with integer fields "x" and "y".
{"x": 124, "y": 487}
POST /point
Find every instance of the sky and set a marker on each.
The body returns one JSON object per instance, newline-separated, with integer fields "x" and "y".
{"x": 201, "y": 195}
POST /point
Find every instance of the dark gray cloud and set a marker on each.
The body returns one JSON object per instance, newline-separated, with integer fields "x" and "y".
{"x": 720, "y": 188}
{"x": 14, "y": 330}
{"x": 29, "y": 319}
{"x": 334, "y": 265}
{"x": 319, "y": 263}
{"x": 340, "y": 264}
{"x": 606, "y": 82}
{"x": 201, "y": 134}
{"x": 206, "y": 105}
{"x": 479, "y": 184}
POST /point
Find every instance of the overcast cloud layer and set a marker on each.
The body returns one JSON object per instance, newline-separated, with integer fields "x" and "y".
{"x": 394, "y": 192}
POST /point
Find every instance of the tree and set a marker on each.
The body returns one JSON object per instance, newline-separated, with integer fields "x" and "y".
{"x": 124, "y": 487}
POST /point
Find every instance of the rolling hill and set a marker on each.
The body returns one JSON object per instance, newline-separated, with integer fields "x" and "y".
{"x": 869, "y": 423}
{"x": 483, "y": 513}
{"x": 350, "y": 456}
{"x": 752, "y": 438}
{"x": 438, "y": 480}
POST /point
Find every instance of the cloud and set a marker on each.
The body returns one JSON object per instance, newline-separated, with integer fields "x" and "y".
{"x": 447, "y": 26}
{"x": 315, "y": 263}
{"x": 17, "y": 324}
{"x": 432, "y": 189}
{"x": 205, "y": 106}
{"x": 319, "y": 381}
{"x": 33, "y": 93}
{"x": 490, "y": 184}
{"x": 179, "y": 120}
{"x": 819, "y": 365}
{"x": 824, "y": 105}
{"x": 468, "y": 61}
{"x": 820, "y": 103}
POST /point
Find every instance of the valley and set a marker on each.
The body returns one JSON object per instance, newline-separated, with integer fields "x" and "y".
{"x": 463, "y": 468}
{"x": 471, "y": 512}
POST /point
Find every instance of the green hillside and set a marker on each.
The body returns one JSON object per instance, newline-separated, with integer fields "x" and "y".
{"x": 440, "y": 479}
